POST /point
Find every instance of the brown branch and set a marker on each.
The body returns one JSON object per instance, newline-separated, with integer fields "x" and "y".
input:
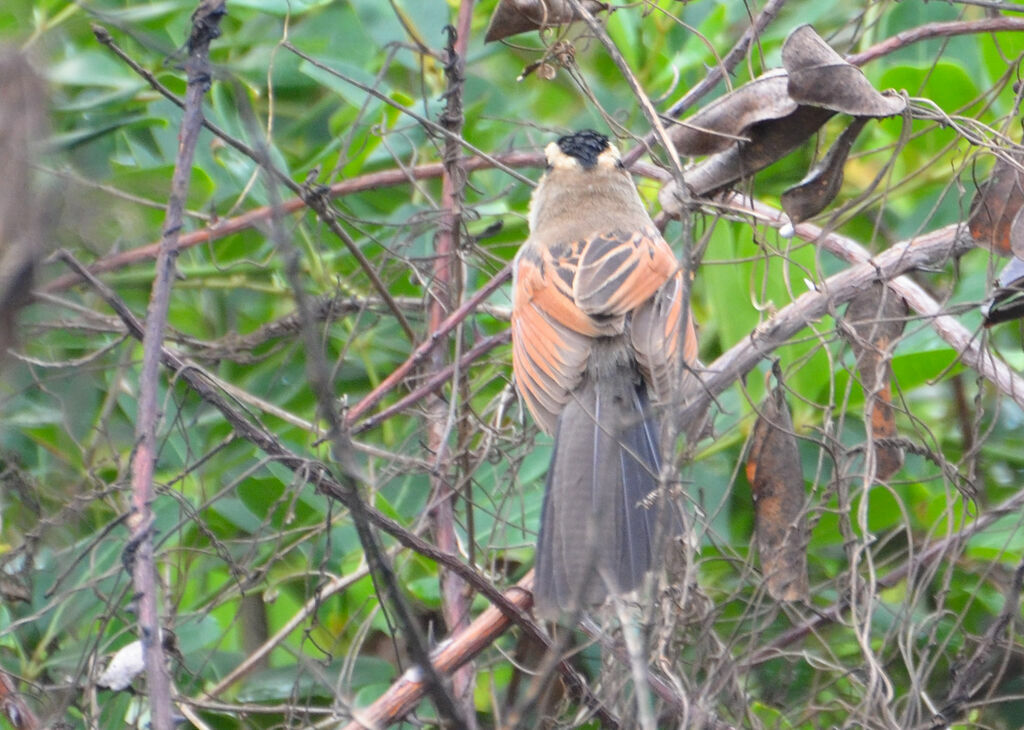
{"x": 445, "y": 291}
{"x": 946, "y": 243}
{"x": 935, "y": 30}
{"x": 138, "y": 553}
{"x": 313, "y": 199}
{"x": 419, "y": 355}
{"x": 349, "y": 474}
{"x": 230, "y": 226}
{"x": 434, "y": 382}
{"x": 462, "y": 647}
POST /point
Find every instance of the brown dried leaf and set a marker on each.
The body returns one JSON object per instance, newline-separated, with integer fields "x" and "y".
{"x": 716, "y": 127}
{"x": 995, "y": 210}
{"x": 877, "y": 317}
{"x": 769, "y": 141}
{"x": 512, "y": 17}
{"x": 777, "y": 481}
{"x": 819, "y": 76}
{"x": 821, "y": 185}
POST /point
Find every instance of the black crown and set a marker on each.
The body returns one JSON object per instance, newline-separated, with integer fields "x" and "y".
{"x": 585, "y": 146}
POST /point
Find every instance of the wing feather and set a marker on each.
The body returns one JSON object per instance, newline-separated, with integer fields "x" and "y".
{"x": 566, "y": 294}
{"x": 617, "y": 271}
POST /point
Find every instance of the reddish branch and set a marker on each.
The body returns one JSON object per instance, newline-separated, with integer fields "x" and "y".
{"x": 935, "y": 30}
{"x": 259, "y": 216}
{"x": 138, "y": 553}
{"x": 461, "y": 647}
{"x": 445, "y": 291}
{"x": 456, "y": 651}
{"x": 420, "y": 354}
{"x": 310, "y": 197}
{"x": 435, "y": 381}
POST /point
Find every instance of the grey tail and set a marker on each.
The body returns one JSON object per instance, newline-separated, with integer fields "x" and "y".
{"x": 597, "y": 533}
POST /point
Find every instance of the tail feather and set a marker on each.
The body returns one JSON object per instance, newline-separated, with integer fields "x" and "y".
{"x": 597, "y": 533}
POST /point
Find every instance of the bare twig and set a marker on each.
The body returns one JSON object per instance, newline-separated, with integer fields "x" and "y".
{"x": 138, "y": 553}
{"x": 909, "y": 569}
{"x": 935, "y": 30}
{"x": 350, "y": 476}
{"x": 309, "y": 470}
{"x": 945, "y": 243}
{"x": 714, "y": 76}
{"x": 638, "y": 91}
{"x": 310, "y": 198}
{"x": 924, "y": 251}
{"x": 420, "y": 354}
{"x": 434, "y": 382}
{"x": 446, "y": 291}
{"x": 253, "y": 218}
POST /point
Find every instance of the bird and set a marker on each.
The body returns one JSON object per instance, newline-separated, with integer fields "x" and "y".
{"x": 598, "y": 341}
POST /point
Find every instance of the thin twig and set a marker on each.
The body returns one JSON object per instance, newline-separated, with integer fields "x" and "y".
{"x": 924, "y": 251}
{"x": 309, "y": 470}
{"x": 906, "y": 570}
{"x": 309, "y": 198}
{"x": 445, "y": 292}
{"x": 434, "y": 382}
{"x": 714, "y": 76}
{"x": 361, "y": 183}
{"x": 653, "y": 118}
{"x": 950, "y": 241}
{"x": 138, "y": 554}
{"x": 935, "y": 30}
{"x": 419, "y": 355}
{"x": 319, "y": 375}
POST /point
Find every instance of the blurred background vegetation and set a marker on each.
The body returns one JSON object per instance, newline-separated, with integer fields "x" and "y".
{"x": 245, "y": 546}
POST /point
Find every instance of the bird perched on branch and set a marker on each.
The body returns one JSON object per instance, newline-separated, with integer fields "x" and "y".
{"x": 599, "y": 337}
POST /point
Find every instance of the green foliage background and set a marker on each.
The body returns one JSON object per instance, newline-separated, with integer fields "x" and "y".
{"x": 239, "y": 535}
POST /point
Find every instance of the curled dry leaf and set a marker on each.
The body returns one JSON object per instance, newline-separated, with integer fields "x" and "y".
{"x": 876, "y": 317}
{"x": 718, "y": 126}
{"x": 994, "y": 219}
{"x": 512, "y": 17}
{"x": 768, "y": 141}
{"x": 777, "y": 482}
{"x": 766, "y": 119}
{"x": 819, "y": 76}
{"x": 821, "y": 185}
